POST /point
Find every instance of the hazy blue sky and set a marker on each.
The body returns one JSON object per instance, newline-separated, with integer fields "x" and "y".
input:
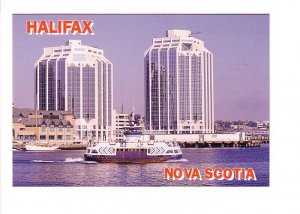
{"x": 240, "y": 44}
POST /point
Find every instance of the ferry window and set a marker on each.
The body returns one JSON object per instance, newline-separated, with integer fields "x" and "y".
{"x": 126, "y": 150}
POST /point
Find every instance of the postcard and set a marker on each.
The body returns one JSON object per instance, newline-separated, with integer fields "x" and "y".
{"x": 152, "y": 100}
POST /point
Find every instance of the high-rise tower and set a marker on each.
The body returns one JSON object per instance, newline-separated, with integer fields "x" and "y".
{"x": 179, "y": 89}
{"x": 77, "y": 79}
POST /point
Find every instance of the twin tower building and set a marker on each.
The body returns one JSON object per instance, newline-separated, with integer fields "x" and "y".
{"x": 179, "y": 96}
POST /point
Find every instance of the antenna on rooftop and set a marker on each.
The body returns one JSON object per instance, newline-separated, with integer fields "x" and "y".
{"x": 132, "y": 104}
{"x": 122, "y": 109}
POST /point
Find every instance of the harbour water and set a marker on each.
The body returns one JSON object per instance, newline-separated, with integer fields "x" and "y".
{"x": 67, "y": 168}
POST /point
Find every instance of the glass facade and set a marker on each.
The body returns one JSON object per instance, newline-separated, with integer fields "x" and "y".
{"x": 173, "y": 88}
{"x": 61, "y": 84}
{"x": 109, "y": 99}
{"x": 100, "y": 97}
{"x": 196, "y": 88}
{"x": 51, "y": 84}
{"x": 105, "y": 109}
{"x": 88, "y": 88}
{"x": 42, "y": 84}
{"x": 163, "y": 90}
{"x": 154, "y": 90}
{"x": 74, "y": 90}
{"x": 184, "y": 88}
{"x": 147, "y": 85}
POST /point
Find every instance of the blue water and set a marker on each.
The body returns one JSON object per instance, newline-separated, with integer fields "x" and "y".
{"x": 67, "y": 168}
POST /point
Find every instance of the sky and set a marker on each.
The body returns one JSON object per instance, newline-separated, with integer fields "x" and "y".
{"x": 239, "y": 43}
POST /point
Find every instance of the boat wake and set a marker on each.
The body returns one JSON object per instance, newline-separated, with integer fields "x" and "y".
{"x": 67, "y": 160}
{"x": 43, "y": 161}
{"x": 177, "y": 161}
{"x": 89, "y": 162}
{"x": 73, "y": 160}
{"x": 78, "y": 160}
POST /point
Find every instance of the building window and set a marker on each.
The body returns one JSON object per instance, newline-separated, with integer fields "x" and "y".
{"x": 43, "y": 128}
{"x": 68, "y": 129}
{"x": 68, "y": 137}
{"x": 79, "y": 57}
{"x": 60, "y": 129}
{"x": 51, "y": 137}
{"x": 43, "y": 137}
{"x": 59, "y": 137}
{"x": 51, "y": 128}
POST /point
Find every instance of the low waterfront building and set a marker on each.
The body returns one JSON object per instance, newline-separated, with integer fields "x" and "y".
{"x": 121, "y": 124}
{"x": 263, "y": 124}
{"x": 262, "y": 135}
{"x": 124, "y": 122}
{"x": 46, "y": 127}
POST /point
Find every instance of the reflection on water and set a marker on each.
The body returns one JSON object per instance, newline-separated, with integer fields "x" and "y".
{"x": 67, "y": 168}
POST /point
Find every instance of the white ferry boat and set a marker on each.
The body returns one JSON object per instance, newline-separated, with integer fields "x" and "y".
{"x": 133, "y": 150}
{"x": 40, "y": 148}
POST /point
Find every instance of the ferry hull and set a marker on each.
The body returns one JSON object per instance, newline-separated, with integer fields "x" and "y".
{"x": 131, "y": 158}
